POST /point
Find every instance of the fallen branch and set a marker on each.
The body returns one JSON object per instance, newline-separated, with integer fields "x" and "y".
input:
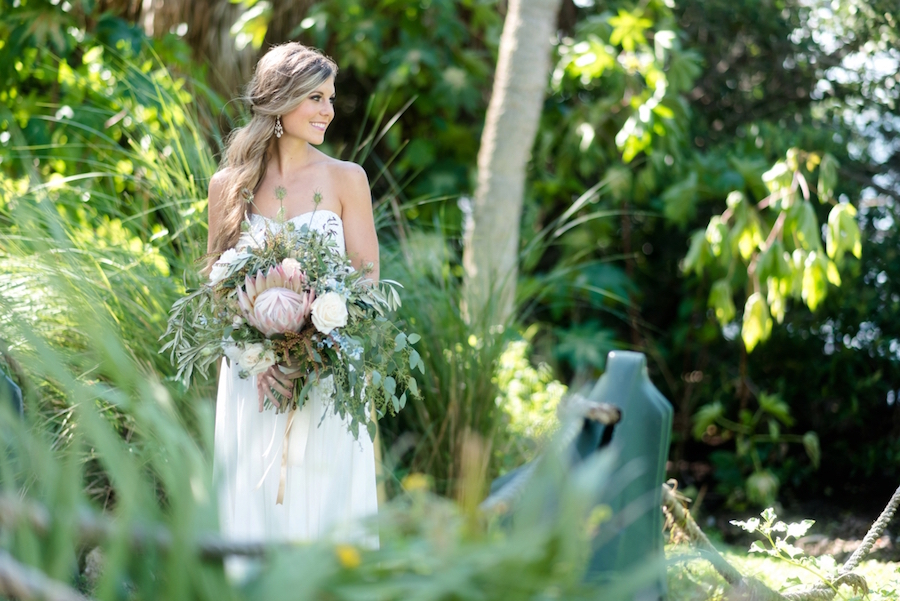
{"x": 92, "y": 530}
{"x": 19, "y": 581}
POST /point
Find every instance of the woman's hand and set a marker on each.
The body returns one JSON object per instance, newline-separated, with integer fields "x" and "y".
{"x": 274, "y": 382}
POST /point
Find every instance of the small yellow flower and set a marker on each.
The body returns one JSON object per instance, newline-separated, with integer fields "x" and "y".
{"x": 415, "y": 481}
{"x": 599, "y": 515}
{"x": 348, "y": 556}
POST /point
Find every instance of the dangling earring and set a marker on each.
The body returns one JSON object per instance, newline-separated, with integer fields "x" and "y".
{"x": 278, "y": 129}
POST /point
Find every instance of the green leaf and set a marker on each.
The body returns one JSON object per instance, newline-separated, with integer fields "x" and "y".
{"x": 798, "y": 529}
{"x": 679, "y": 200}
{"x": 804, "y": 225}
{"x": 761, "y": 487}
{"x": 776, "y": 290}
{"x": 698, "y": 254}
{"x": 720, "y": 299}
{"x": 827, "y": 177}
{"x": 399, "y": 342}
{"x": 773, "y": 262}
{"x": 815, "y": 280}
{"x": 402, "y": 401}
{"x": 414, "y": 359}
{"x": 413, "y": 338}
{"x": 618, "y": 181}
{"x": 757, "y": 325}
{"x": 779, "y": 177}
{"x": 842, "y": 233}
{"x": 705, "y": 417}
{"x": 748, "y": 234}
{"x": 376, "y": 378}
{"x": 628, "y": 29}
{"x": 831, "y": 272}
{"x": 776, "y": 407}
{"x": 412, "y": 385}
{"x": 716, "y": 234}
{"x": 813, "y": 450}
{"x": 683, "y": 69}
{"x": 390, "y": 385}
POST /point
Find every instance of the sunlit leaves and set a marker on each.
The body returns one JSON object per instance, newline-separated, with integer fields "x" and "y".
{"x": 827, "y": 177}
{"x": 586, "y": 60}
{"x": 778, "y": 177}
{"x": 815, "y": 279}
{"x": 803, "y": 225}
{"x": 720, "y": 299}
{"x": 757, "y": 325}
{"x": 779, "y": 240}
{"x": 698, "y": 254}
{"x": 628, "y": 29}
{"x": 654, "y": 116}
{"x": 716, "y": 233}
{"x": 842, "y": 234}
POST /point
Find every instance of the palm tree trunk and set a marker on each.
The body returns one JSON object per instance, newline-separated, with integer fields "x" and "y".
{"x": 208, "y": 33}
{"x": 491, "y": 250}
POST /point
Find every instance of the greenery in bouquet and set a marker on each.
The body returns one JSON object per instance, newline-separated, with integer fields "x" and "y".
{"x": 287, "y": 296}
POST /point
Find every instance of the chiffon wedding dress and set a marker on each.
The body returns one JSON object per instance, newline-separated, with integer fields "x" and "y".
{"x": 329, "y": 476}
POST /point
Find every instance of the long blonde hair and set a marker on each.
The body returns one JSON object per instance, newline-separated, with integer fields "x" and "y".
{"x": 284, "y": 76}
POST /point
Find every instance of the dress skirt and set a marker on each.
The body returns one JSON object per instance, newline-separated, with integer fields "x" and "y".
{"x": 329, "y": 480}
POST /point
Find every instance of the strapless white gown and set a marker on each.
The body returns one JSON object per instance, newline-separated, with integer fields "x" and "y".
{"x": 330, "y": 481}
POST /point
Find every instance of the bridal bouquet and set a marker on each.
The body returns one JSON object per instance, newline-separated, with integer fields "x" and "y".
{"x": 291, "y": 298}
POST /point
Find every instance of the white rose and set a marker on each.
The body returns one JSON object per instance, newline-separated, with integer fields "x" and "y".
{"x": 329, "y": 311}
{"x": 256, "y": 359}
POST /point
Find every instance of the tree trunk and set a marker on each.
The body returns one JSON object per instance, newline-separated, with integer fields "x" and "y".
{"x": 209, "y": 24}
{"x": 491, "y": 250}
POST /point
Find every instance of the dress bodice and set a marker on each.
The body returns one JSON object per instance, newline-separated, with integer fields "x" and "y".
{"x": 322, "y": 220}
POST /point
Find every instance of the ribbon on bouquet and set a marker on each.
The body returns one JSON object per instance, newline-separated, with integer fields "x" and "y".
{"x": 285, "y": 453}
{"x": 282, "y": 480}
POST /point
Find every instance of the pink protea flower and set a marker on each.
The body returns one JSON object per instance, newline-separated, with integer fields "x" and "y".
{"x": 275, "y": 302}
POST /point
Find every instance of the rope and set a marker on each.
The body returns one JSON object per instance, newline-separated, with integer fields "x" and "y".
{"x": 872, "y": 535}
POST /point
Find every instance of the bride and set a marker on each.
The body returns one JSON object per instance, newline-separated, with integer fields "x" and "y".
{"x": 326, "y": 475}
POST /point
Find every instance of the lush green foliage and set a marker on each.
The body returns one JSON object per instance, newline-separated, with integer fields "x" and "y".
{"x": 656, "y": 113}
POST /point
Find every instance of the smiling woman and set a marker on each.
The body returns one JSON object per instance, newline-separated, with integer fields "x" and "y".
{"x": 273, "y": 178}
{"x": 310, "y": 120}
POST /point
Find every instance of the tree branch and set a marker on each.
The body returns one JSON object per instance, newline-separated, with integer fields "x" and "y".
{"x": 94, "y": 529}
{"x": 19, "y": 581}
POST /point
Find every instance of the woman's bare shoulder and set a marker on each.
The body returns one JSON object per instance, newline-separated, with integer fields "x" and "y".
{"x": 347, "y": 173}
{"x": 218, "y": 179}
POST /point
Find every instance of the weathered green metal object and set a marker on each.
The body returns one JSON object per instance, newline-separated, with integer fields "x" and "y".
{"x": 630, "y": 543}
{"x": 634, "y": 535}
{"x": 9, "y": 389}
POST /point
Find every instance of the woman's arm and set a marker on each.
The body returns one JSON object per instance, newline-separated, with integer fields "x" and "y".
{"x": 359, "y": 223}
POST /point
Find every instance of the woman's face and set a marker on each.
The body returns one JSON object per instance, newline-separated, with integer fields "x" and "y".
{"x": 310, "y": 120}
